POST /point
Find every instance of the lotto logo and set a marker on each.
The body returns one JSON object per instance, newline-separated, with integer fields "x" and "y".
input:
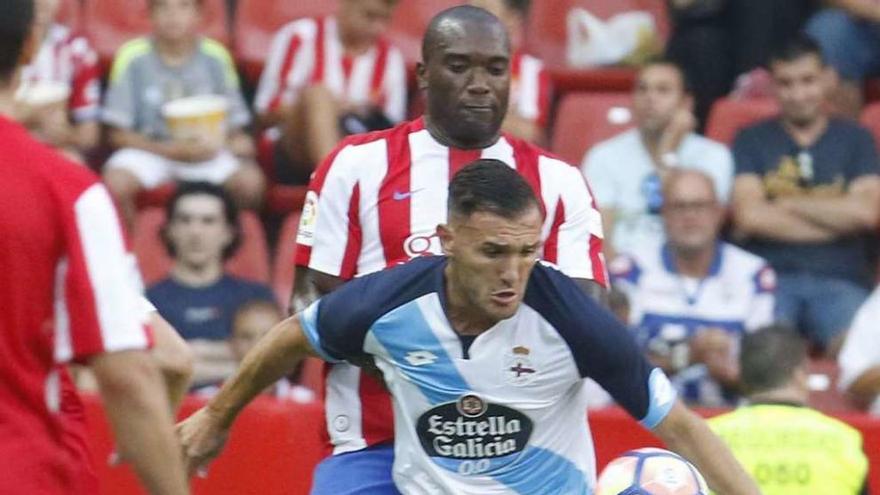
{"x": 420, "y": 358}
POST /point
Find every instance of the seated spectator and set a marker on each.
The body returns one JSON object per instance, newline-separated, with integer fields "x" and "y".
{"x": 859, "y": 359}
{"x": 198, "y": 298}
{"x": 848, "y": 32}
{"x": 626, "y": 171}
{"x": 172, "y": 63}
{"x": 60, "y": 89}
{"x": 251, "y": 322}
{"x": 529, "y": 80}
{"x": 692, "y": 298}
{"x": 326, "y": 78}
{"x": 786, "y": 446}
{"x": 807, "y": 197}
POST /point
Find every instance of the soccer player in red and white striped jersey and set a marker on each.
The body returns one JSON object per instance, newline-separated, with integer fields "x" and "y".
{"x": 65, "y": 59}
{"x": 529, "y": 81}
{"x": 377, "y": 199}
{"x": 329, "y": 76}
{"x": 70, "y": 292}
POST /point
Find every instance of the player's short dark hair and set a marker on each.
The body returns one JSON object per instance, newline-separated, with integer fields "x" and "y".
{"x": 769, "y": 357}
{"x": 491, "y": 186}
{"x": 434, "y": 35}
{"x": 799, "y": 46}
{"x": 230, "y": 213}
{"x": 15, "y": 28}
{"x": 520, "y": 6}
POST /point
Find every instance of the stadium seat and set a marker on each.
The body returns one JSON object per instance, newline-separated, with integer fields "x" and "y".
{"x": 584, "y": 119}
{"x": 546, "y": 38}
{"x": 728, "y": 116}
{"x": 871, "y": 119}
{"x": 824, "y": 394}
{"x": 110, "y": 23}
{"x": 282, "y": 264}
{"x": 250, "y": 262}
{"x": 70, "y": 14}
{"x": 411, "y": 18}
{"x": 256, "y": 21}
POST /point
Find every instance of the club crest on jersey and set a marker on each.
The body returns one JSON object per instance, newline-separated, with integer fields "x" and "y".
{"x": 518, "y": 369}
{"x": 473, "y": 436}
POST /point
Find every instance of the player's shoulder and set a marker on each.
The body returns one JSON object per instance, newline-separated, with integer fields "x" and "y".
{"x": 363, "y": 300}
{"x": 357, "y": 144}
{"x": 547, "y": 164}
{"x": 551, "y": 292}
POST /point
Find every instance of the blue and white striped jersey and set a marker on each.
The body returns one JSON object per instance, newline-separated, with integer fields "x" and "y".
{"x": 504, "y": 414}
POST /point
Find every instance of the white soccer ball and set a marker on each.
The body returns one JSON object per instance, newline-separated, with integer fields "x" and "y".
{"x": 651, "y": 471}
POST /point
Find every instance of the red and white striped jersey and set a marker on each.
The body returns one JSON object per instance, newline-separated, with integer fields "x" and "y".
{"x": 309, "y": 51}
{"x": 68, "y": 58}
{"x": 69, "y": 287}
{"x": 530, "y": 88}
{"x": 376, "y": 201}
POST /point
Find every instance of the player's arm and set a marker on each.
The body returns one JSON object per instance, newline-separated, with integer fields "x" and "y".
{"x": 755, "y": 216}
{"x": 688, "y": 435}
{"x": 275, "y": 356}
{"x": 309, "y": 285}
{"x": 173, "y": 357}
{"x": 856, "y": 211}
{"x": 131, "y": 388}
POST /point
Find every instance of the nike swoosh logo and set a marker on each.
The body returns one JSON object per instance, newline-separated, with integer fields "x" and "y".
{"x": 400, "y": 196}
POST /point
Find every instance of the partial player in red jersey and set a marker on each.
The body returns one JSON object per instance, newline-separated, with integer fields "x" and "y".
{"x": 377, "y": 199}
{"x": 70, "y": 289}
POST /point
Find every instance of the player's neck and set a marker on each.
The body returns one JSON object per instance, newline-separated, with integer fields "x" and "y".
{"x": 694, "y": 264}
{"x": 197, "y": 276}
{"x": 441, "y": 136}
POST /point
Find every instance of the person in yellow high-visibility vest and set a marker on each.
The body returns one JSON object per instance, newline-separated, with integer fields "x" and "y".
{"x": 787, "y": 447}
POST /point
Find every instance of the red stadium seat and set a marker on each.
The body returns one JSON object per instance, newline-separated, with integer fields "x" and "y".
{"x": 585, "y": 119}
{"x": 70, "y": 14}
{"x": 282, "y": 264}
{"x": 871, "y": 119}
{"x": 728, "y": 116}
{"x": 824, "y": 394}
{"x": 256, "y": 21}
{"x": 250, "y": 262}
{"x": 110, "y": 23}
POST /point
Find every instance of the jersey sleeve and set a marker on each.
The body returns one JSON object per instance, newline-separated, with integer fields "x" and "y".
{"x": 329, "y": 238}
{"x": 602, "y": 348}
{"x": 100, "y": 305}
{"x": 579, "y": 234}
{"x": 287, "y": 68}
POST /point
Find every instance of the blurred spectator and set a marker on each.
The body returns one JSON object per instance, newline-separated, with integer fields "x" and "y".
{"x": 198, "y": 298}
{"x": 253, "y": 320}
{"x": 60, "y": 89}
{"x": 173, "y": 63}
{"x": 694, "y": 297}
{"x": 529, "y": 80}
{"x": 625, "y": 171}
{"x": 859, "y": 359}
{"x": 786, "y": 446}
{"x": 326, "y": 78}
{"x": 849, "y": 34}
{"x": 807, "y": 197}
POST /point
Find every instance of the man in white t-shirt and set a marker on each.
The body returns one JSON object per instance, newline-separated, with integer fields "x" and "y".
{"x": 693, "y": 297}
{"x": 859, "y": 359}
{"x": 625, "y": 171}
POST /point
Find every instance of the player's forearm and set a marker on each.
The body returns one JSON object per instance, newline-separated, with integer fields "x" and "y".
{"x": 845, "y": 215}
{"x": 174, "y": 358}
{"x": 687, "y": 434}
{"x": 131, "y": 388}
{"x": 770, "y": 222}
{"x": 309, "y": 285}
{"x": 276, "y": 355}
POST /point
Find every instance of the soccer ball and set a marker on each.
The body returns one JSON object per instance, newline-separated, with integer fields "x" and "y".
{"x": 651, "y": 472}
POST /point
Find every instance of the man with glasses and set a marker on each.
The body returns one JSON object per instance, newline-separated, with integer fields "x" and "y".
{"x": 693, "y": 297}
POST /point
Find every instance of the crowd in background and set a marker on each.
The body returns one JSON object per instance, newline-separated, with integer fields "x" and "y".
{"x": 705, "y": 243}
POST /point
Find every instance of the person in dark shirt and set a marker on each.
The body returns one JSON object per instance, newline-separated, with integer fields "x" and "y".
{"x": 807, "y": 198}
{"x": 198, "y": 298}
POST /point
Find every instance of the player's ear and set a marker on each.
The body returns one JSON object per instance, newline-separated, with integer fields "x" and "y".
{"x": 421, "y": 76}
{"x": 446, "y": 234}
